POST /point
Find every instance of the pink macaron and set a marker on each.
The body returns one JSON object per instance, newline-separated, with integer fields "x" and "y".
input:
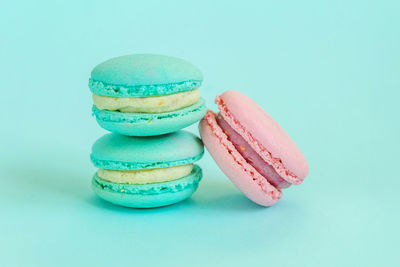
{"x": 251, "y": 148}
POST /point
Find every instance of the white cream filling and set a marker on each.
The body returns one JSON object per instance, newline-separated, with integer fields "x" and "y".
{"x": 153, "y": 104}
{"x": 146, "y": 176}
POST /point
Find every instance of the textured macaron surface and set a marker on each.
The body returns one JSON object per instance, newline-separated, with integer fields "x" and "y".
{"x": 264, "y": 135}
{"x": 119, "y": 152}
{"x": 144, "y": 75}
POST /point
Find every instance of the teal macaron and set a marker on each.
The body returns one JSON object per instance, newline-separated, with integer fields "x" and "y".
{"x": 146, "y": 172}
{"x": 146, "y": 94}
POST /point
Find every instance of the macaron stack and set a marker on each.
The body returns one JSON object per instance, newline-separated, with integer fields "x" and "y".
{"x": 148, "y": 161}
{"x": 144, "y": 100}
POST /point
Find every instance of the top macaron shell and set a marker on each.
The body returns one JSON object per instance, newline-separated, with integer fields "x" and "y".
{"x": 143, "y": 75}
{"x": 118, "y": 152}
{"x": 264, "y": 130}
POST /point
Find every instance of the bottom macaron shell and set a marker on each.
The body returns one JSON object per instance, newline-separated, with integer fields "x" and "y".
{"x": 232, "y": 169}
{"x": 145, "y": 124}
{"x": 148, "y": 195}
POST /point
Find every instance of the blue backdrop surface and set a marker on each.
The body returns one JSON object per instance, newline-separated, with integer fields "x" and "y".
{"x": 327, "y": 71}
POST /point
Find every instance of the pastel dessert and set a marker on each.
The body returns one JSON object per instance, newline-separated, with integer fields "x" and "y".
{"x": 252, "y": 149}
{"x": 146, "y": 94}
{"x": 146, "y": 172}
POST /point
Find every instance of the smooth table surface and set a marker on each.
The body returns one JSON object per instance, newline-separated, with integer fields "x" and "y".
{"x": 328, "y": 72}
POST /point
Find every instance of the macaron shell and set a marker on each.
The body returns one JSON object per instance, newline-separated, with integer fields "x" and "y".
{"x": 147, "y": 124}
{"x": 119, "y": 152}
{"x": 148, "y": 195}
{"x": 264, "y": 131}
{"x": 144, "y": 75}
{"x": 242, "y": 174}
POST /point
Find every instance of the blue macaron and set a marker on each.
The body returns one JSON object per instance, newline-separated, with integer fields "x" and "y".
{"x": 122, "y": 85}
{"x": 128, "y": 166}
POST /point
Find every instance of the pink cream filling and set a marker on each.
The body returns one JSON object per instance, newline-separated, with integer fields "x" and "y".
{"x": 251, "y": 156}
{"x": 276, "y": 163}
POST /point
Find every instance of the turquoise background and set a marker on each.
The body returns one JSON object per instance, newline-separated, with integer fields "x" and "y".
{"x": 327, "y": 71}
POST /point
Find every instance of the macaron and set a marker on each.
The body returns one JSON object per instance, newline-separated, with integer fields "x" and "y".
{"x": 146, "y": 94}
{"x": 251, "y": 148}
{"x": 146, "y": 172}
